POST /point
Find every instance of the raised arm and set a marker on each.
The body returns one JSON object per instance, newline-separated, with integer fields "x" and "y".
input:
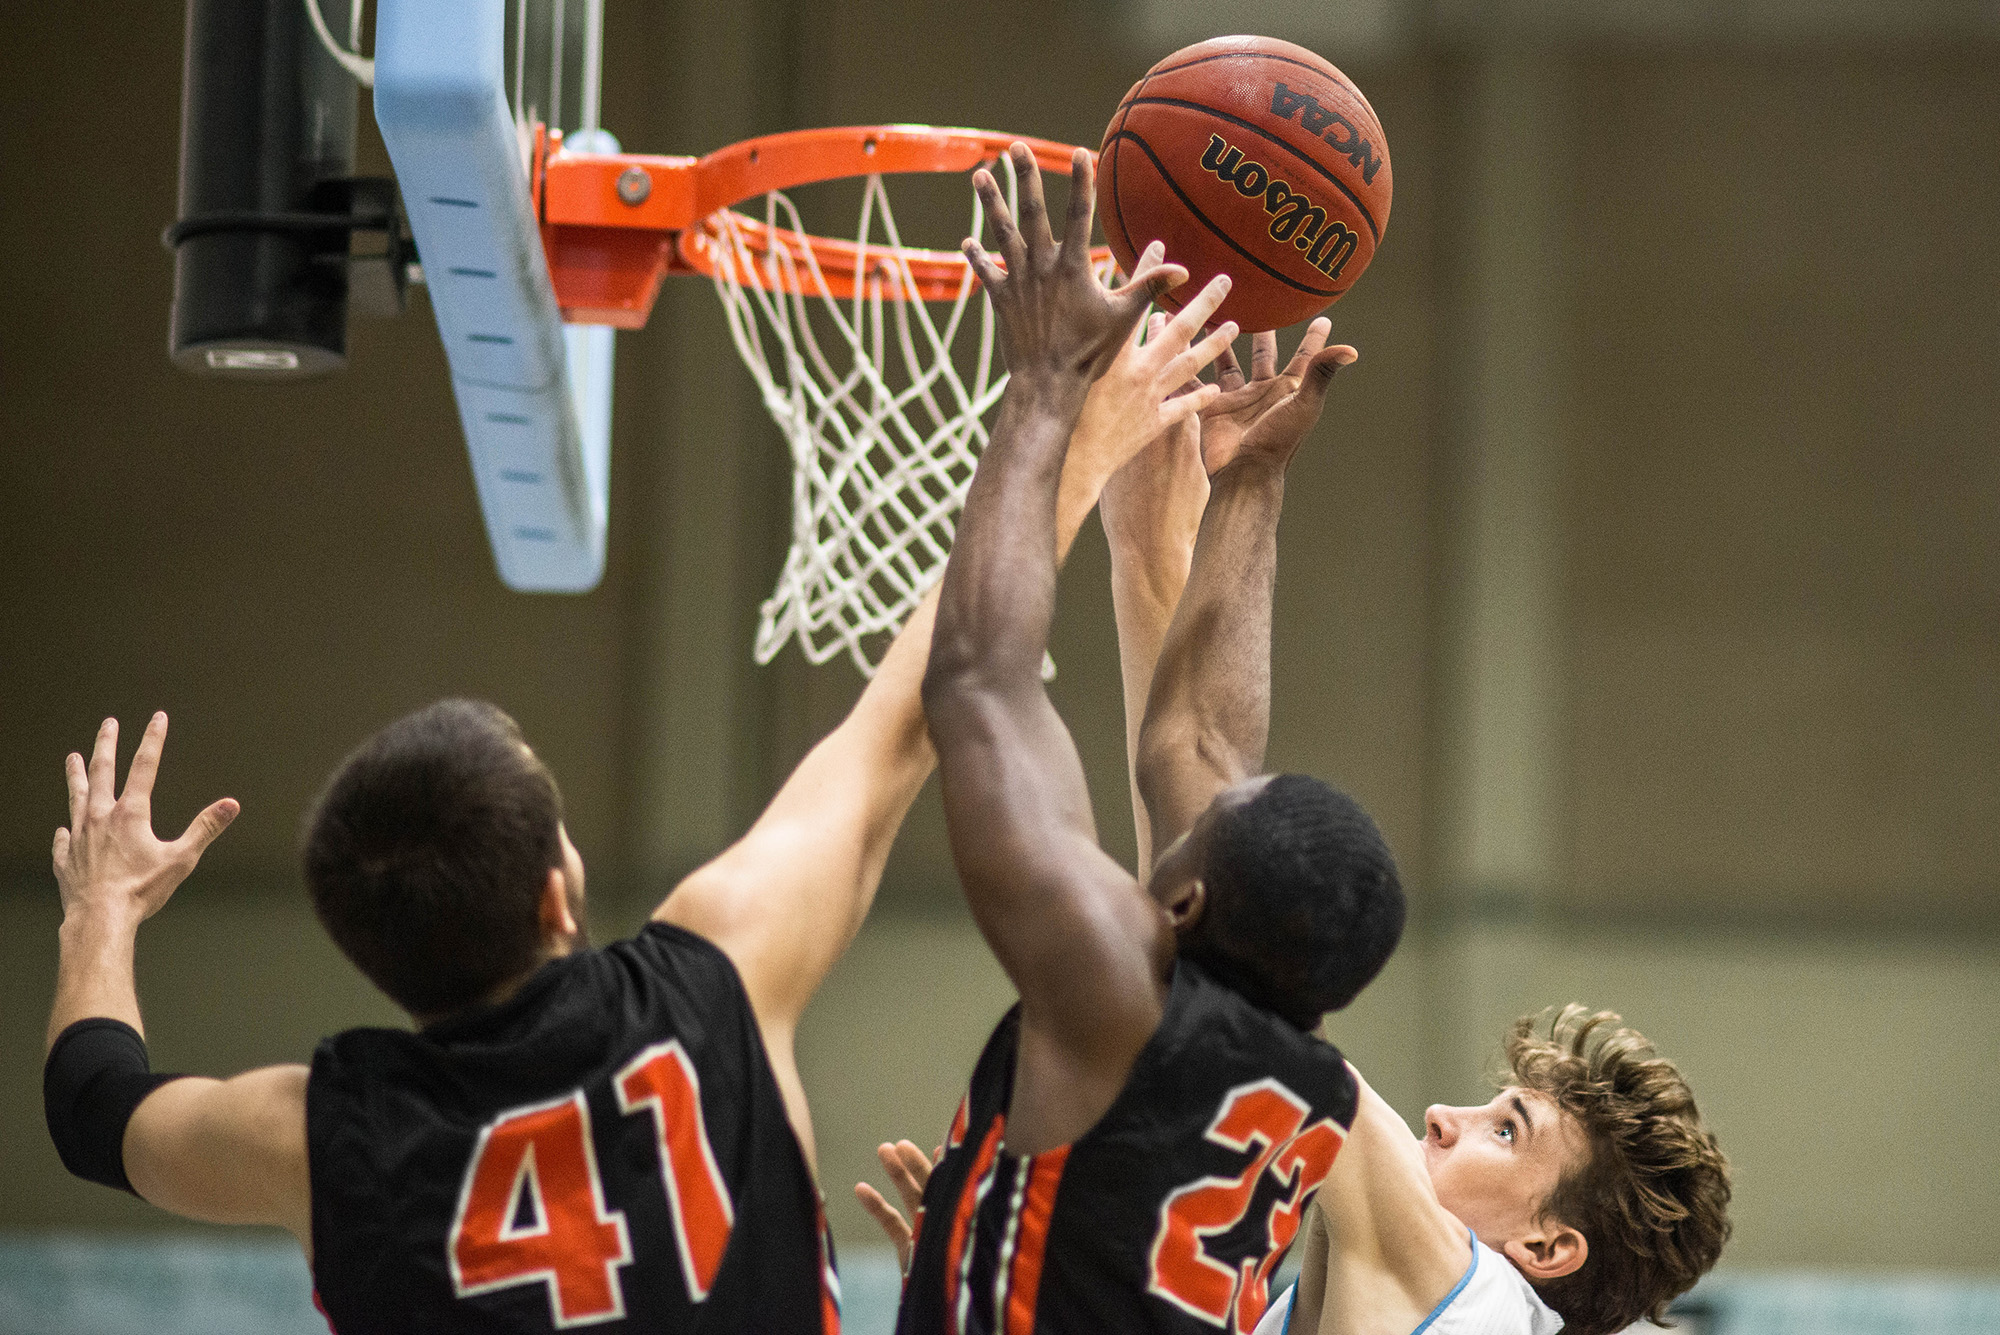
{"x": 1074, "y": 931}
{"x": 786, "y": 899}
{"x": 1377, "y": 1241}
{"x": 1151, "y": 511}
{"x": 226, "y": 1151}
{"x": 1208, "y": 712}
{"x": 1152, "y": 514}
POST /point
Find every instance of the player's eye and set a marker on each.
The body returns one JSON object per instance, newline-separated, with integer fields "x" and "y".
{"x": 1506, "y": 1132}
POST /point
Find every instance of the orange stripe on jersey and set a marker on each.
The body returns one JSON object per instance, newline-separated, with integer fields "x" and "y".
{"x": 829, "y": 1305}
{"x": 953, "y": 1138}
{"x": 961, "y": 1215}
{"x": 956, "y": 1136}
{"x": 1038, "y": 1202}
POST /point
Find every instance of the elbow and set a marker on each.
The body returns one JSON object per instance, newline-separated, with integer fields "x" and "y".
{"x": 950, "y": 673}
{"x": 968, "y": 698}
{"x": 1169, "y": 757}
{"x": 1159, "y": 756}
{"x": 972, "y": 667}
{"x": 965, "y": 666}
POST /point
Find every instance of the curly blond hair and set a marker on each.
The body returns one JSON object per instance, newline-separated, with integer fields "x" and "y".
{"x": 1652, "y": 1196}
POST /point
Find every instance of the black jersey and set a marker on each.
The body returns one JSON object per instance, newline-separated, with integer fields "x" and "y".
{"x": 1168, "y": 1216}
{"x": 607, "y": 1147}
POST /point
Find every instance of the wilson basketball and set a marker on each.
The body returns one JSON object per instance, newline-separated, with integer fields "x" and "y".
{"x": 1251, "y": 157}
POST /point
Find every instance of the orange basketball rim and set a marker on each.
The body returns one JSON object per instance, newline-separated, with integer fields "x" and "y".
{"x": 614, "y": 224}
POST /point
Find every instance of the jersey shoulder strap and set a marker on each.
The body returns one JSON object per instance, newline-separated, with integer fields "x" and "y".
{"x": 1212, "y": 1038}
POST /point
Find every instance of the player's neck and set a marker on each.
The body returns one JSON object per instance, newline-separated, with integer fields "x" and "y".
{"x": 504, "y": 992}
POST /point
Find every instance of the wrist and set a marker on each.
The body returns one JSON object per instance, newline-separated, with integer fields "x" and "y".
{"x": 1084, "y": 473}
{"x": 1049, "y": 389}
{"x": 1146, "y": 550}
{"x": 1083, "y": 469}
{"x": 86, "y": 924}
{"x": 1250, "y": 471}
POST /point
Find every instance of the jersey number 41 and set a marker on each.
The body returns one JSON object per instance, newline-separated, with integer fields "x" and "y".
{"x": 567, "y": 1237}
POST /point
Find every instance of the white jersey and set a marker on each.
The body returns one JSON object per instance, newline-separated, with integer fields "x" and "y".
{"x": 1490, "y": 1298}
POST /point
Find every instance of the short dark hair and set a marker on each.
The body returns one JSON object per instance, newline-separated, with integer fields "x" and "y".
{"x": 1651, "y": 1195}
{"x": 1304, "y": 904}
{"x": 427, "y": 853}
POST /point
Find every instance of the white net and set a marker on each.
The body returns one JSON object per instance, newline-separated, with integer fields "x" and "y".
{"x": 883, "y": 425}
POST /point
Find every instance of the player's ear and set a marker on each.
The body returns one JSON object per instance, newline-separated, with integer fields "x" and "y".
{"x": 1552, "y": 1250}
{"x": 552, "y": 912}
{"x": 1184, "y": 910}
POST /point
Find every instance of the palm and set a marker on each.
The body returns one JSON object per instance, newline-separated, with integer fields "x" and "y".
{"x": 1231, "y": 414}
{"x": 107, "y": 857}
{"x": 1265, "y": 414}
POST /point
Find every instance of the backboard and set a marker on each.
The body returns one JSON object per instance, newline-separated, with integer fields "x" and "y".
{"x": 459, "y": 87}
{"x": 538, "y": 237}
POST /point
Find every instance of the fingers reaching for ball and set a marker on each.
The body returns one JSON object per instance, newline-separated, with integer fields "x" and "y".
{"x": 1281, "y": 397}
{"x": 1082, "y": 208}
{"x": 1058, "y": 323}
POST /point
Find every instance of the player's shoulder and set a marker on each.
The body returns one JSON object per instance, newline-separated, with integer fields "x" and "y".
{"x": 1493, "y": 1298}
{"x": 1212, "y": 1042}
{"x": 576, "y": 999}
{"x": 1207, "y": 1020}
{"x": 665, "y": 949}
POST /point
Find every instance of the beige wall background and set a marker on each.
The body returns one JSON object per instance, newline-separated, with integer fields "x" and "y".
{"x": 1645, "y": 580}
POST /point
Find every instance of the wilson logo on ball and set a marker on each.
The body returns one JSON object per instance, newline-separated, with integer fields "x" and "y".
{"x": 1328, "y": 243}
{"x": 1329, "y": 125}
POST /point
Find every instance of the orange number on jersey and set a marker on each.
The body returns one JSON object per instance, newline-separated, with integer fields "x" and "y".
{"x": 1264, "y": 1117}
{"x": 1301, "y": 1165}
{"x": 573, "y": 1244}
{"x": 663, "y": 1079}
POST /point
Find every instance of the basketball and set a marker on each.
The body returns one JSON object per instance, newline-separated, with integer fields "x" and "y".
{"x": 1252, "y": 157}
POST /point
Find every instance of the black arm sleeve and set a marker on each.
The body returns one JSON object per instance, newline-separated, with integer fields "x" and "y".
{"x": 96, "y": 1077}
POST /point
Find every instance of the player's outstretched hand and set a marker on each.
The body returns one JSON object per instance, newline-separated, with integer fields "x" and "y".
{"x": 109, "y": 863}
{"x": 1270, "y": 412}
{"x": 1150, "y": 387}
{"x": 1155, "y": 501}
{"x": 1057, "y": 321}
{"x": 910, "y": 1171}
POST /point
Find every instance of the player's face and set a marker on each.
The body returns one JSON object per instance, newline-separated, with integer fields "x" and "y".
{"x": 1494, "y": 1165}
{"x": 1178, "y": 866}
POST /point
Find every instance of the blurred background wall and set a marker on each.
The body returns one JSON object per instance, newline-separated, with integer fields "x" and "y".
{"x": 1643, "y": 579}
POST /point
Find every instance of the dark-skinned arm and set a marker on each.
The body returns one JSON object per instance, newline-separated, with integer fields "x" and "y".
{"x": 1209, "y": 711}
{"x": 1072, "y": 928}
{"x": 785, "y": 900}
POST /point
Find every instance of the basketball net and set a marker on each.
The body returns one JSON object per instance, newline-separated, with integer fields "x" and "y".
{"x": 884, "y": 429}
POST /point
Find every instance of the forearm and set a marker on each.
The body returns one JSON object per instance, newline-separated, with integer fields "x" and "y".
{"x": 1387, "y": 1245}
{"x": 94, "y": 973}
{"x": 998, "y": 597}
{"x": 1208, "y": 713}
{"x": 891, "y": 707}
{"x": 785, "y": 900}
{"x": 889, "y": 713}
{"x": 889, "y": 721}
{"x": 1147, "y": 578}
